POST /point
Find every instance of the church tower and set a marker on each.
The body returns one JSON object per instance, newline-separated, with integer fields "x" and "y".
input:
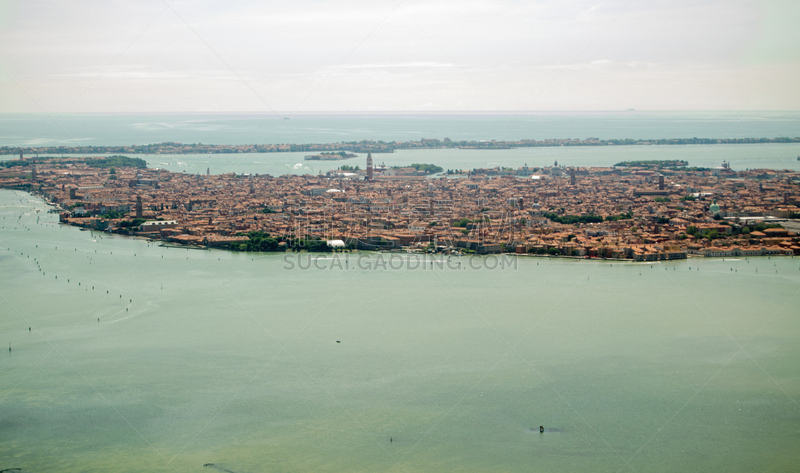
{"x": 369, "y": 166}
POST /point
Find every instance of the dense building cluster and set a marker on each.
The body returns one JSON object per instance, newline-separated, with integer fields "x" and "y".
{"x": 619, "y": 212}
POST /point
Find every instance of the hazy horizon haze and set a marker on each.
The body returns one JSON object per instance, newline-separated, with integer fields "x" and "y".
{"x": 439, "y": 56}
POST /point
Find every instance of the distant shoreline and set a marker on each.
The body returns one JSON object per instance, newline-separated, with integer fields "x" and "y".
{"x": 372, "y": 146}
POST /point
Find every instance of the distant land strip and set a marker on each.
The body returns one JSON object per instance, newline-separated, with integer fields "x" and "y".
{"x": 372, "y": 146}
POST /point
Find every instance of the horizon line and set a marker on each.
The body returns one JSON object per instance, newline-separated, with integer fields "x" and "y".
{"x": 396, "y": 112}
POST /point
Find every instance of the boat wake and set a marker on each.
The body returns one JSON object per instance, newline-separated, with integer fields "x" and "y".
{"x": 123, "y": 319}
{"x": 217, "y": 467}
{"x": 546, "y": 431}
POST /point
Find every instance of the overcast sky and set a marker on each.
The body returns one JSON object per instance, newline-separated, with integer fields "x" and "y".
{"x": 414, "y": 55}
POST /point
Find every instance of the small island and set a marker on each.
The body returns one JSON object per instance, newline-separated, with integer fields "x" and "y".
{"x": 653, "y": 163}
{"x": 331, "y": 156}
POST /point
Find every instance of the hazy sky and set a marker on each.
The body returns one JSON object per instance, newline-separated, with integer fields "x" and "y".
{"x": 465, "y": 55}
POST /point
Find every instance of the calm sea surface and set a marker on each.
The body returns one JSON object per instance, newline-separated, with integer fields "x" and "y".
{"x": 229, "y": 358}
{"x": 230, "y": 128}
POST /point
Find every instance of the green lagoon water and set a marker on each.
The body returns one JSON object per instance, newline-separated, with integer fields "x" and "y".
{"x": 205, "y": 357}
{"x": 306, "y": 128}
{"x": 740, "y": 157}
